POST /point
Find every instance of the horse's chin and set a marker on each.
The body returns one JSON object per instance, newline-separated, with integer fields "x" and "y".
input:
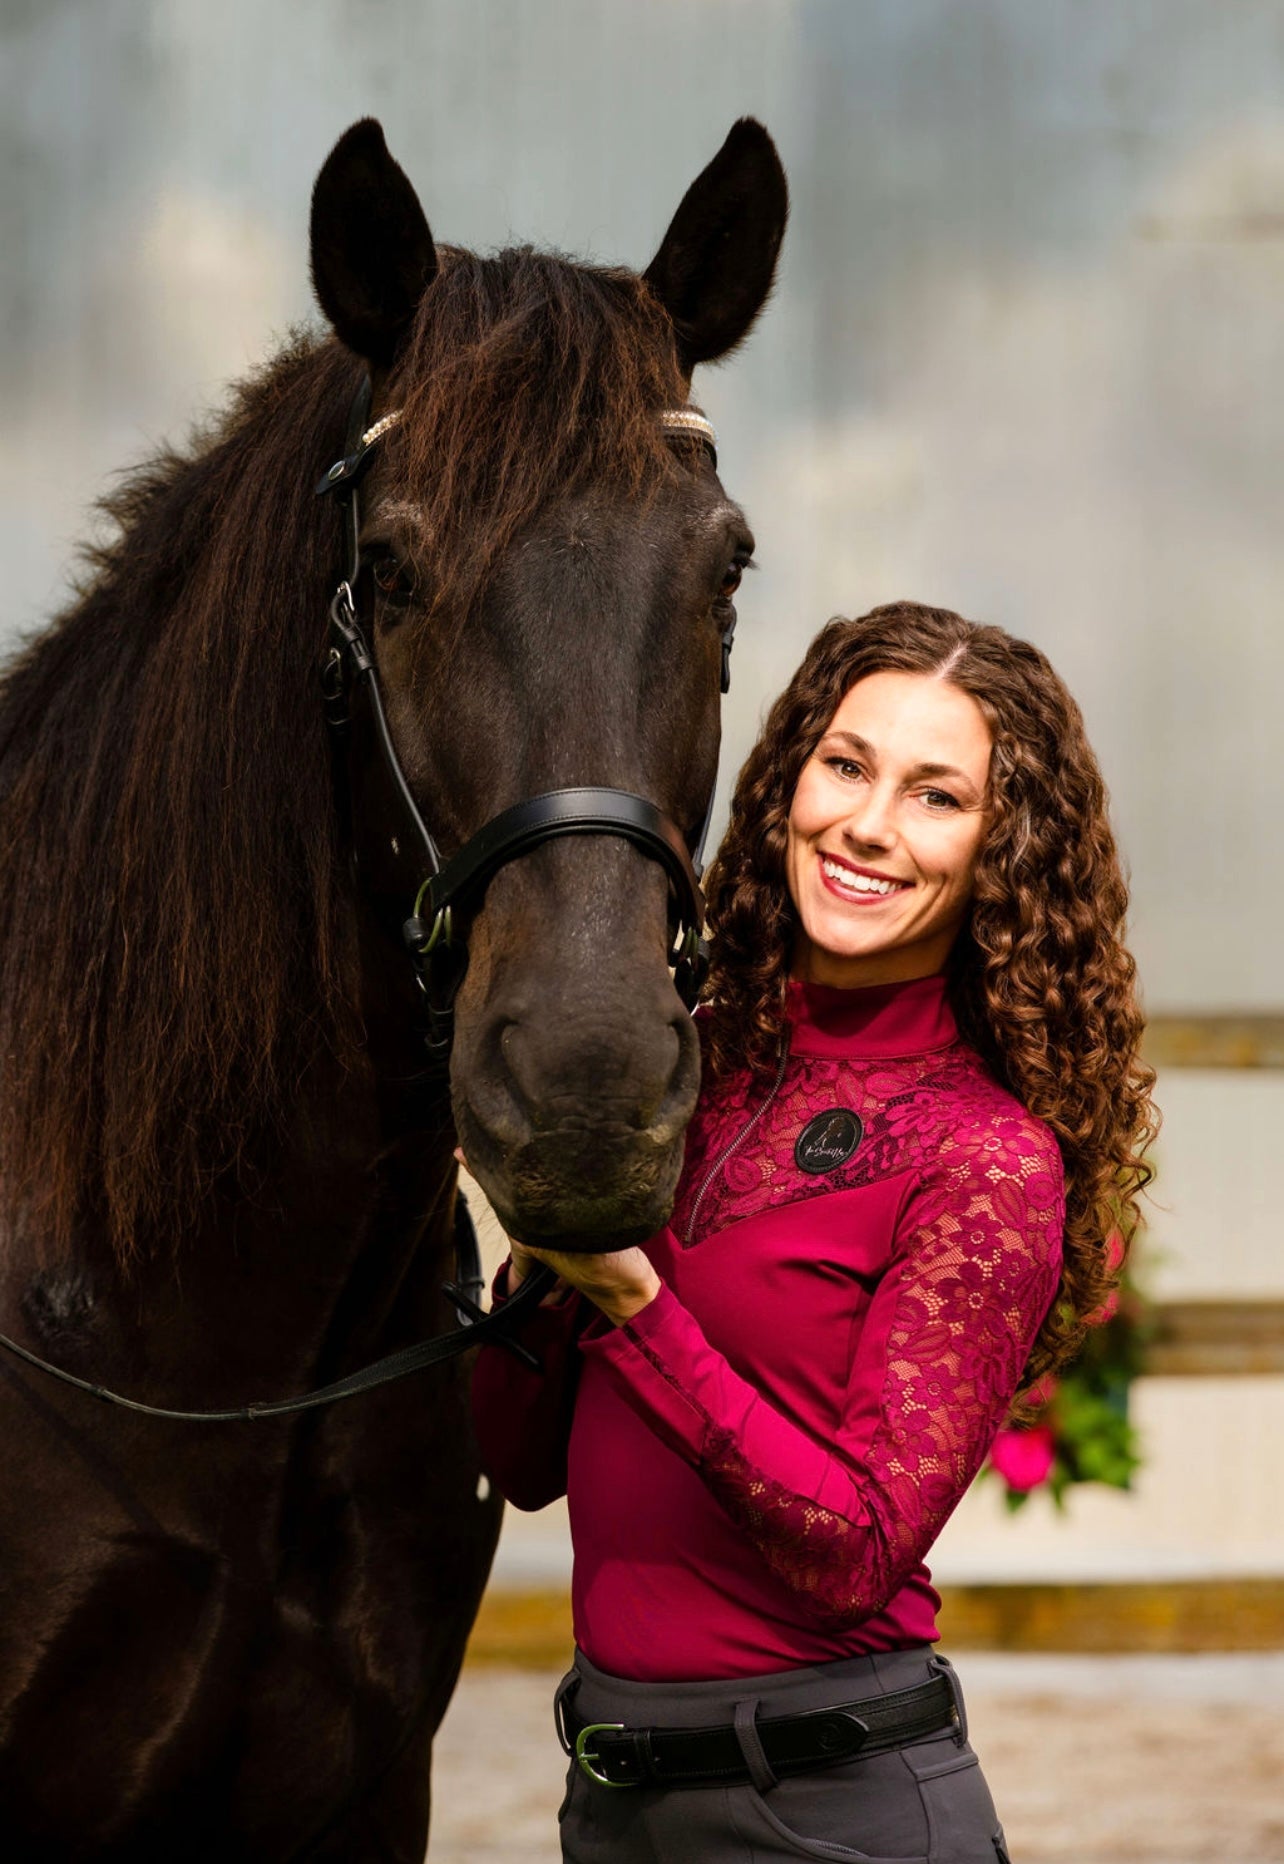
{"x": 589, "y": 1243}
{"x": 587, "y": 1194}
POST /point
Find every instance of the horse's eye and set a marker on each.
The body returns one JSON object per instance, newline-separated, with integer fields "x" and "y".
{"x": 392, "y": 579}
{"x": 731, "y": 579}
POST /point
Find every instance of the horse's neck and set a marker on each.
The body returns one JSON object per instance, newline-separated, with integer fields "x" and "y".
{"x": 363, "y": 1183}
{"x": 328, "y": 1254}
{"x": 352, "y": 1229}
{"x": 353, "y": 1267}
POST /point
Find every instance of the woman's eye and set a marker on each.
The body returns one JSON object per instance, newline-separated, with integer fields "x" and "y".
{"x": 844, "y": 766}
{"x": 392, "y": 579}
{"x": 940, "y": 799}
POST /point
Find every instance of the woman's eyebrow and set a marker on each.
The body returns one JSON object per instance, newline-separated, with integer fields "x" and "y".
{"x": 941, "y": 770}
{"x": 860, "y": 745}
{"x": 864, "y": 748}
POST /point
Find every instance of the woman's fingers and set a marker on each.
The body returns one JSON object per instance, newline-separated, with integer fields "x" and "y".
{"x": 621, "y": 1284}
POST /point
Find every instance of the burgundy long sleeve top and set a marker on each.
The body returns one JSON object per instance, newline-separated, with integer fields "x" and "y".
{"x": 860, "y": 1256}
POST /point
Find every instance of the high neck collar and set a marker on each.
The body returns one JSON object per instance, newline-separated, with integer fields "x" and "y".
{"x": 876, "y": 1021}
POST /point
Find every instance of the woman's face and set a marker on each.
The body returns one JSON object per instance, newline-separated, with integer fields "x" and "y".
{"x": 884, "y": 831}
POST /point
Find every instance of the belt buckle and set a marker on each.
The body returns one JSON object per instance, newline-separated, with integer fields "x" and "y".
{"x": 584, "y": 1760}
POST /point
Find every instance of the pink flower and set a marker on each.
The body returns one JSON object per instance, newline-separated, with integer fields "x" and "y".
{"x": 1024, "y": 1458}
{"x": 1107, "y": 1311}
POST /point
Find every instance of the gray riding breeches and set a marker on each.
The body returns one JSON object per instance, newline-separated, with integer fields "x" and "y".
{"x": 924, "y": 1803}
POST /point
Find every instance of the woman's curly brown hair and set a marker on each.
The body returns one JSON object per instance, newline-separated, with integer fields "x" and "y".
{"x": 1041, "y": 982}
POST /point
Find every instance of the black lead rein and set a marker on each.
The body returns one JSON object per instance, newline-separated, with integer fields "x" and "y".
{"x": 396, "y": 862}
{"x": 496, "y": 1326}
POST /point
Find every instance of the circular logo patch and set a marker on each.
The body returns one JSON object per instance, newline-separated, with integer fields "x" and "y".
{"x": 828, "y": 1141}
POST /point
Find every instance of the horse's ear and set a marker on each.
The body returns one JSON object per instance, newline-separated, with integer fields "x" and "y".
{"x": 372, "y": 251}
{"x": 716, "y": 262}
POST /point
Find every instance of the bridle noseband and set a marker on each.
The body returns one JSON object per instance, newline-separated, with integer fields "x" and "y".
{"x": 398, "y": 865}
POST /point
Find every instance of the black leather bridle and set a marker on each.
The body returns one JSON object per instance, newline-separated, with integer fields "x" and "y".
{"x": 398, "y": 865}
{"x": 401, "y": 873}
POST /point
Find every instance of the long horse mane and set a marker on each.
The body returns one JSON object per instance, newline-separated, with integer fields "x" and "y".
{"x": 175, "y": 955}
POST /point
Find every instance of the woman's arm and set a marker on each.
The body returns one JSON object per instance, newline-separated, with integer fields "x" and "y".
{"x": 941, "y": 1353}
{"x": 522, "y": 1417}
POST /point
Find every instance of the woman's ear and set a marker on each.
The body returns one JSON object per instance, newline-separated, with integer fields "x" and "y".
{"x": 717, "y": 261}
{"x": 372, "y": 252}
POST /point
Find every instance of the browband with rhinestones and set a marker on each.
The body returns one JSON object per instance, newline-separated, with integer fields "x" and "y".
{"x": 672, "y": 420}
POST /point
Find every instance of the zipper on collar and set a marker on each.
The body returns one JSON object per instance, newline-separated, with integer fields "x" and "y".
{"x": 734, "y": 1145}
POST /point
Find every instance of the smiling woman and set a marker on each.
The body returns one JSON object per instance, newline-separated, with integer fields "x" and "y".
{"x": 919, "y": 1129}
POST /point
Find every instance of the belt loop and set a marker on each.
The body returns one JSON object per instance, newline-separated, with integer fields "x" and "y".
{"x": 943, "y": 1667}
{"x": 750, "y": 1744}
{"x": 643, "y": 1756}
{"x": 566, "y": 1692}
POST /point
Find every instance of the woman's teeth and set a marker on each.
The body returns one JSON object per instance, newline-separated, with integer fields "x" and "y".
{"x": 859, "y": 883}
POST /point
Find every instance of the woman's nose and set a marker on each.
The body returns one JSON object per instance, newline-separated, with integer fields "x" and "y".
{"x": 873, "y": 823}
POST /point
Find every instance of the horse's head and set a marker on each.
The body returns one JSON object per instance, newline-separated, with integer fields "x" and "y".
{"x": 549, "y": 578}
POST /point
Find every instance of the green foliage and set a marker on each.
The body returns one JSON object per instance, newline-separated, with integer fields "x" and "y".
{"x": 1093, "y": 1438}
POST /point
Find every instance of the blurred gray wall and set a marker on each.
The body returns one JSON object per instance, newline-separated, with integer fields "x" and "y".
{"x": 1025, "y": 357}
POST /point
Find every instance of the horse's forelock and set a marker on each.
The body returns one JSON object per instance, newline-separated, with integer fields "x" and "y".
{"x": 526, "y": 377}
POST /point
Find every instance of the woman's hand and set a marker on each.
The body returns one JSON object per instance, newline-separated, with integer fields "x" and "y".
{"x": 621, "y": 1285}
{"x": 520, "y": 1264}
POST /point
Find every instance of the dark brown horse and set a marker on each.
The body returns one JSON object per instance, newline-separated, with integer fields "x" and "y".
{"x": 222, "y": 1175}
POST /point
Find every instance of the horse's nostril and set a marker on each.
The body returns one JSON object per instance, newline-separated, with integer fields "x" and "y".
{"x": 590, "y": 1068}
{"x": 572, "y": 1113}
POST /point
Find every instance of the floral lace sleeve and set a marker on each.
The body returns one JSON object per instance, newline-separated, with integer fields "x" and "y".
{"x": 939, "y": 1357}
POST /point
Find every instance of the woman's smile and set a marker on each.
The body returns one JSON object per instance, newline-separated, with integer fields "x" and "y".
{"x": 863, "y": 886}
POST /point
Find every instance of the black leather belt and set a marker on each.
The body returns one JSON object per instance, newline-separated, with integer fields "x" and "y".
{"x": 614, "y": 1755}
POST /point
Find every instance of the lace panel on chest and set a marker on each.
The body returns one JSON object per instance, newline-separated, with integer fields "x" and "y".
{"x": 737, "y": 1167}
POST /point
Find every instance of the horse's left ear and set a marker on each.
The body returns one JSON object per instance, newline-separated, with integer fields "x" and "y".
{"x": 717, "y": 261}
{"x": 372, "y": 252}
